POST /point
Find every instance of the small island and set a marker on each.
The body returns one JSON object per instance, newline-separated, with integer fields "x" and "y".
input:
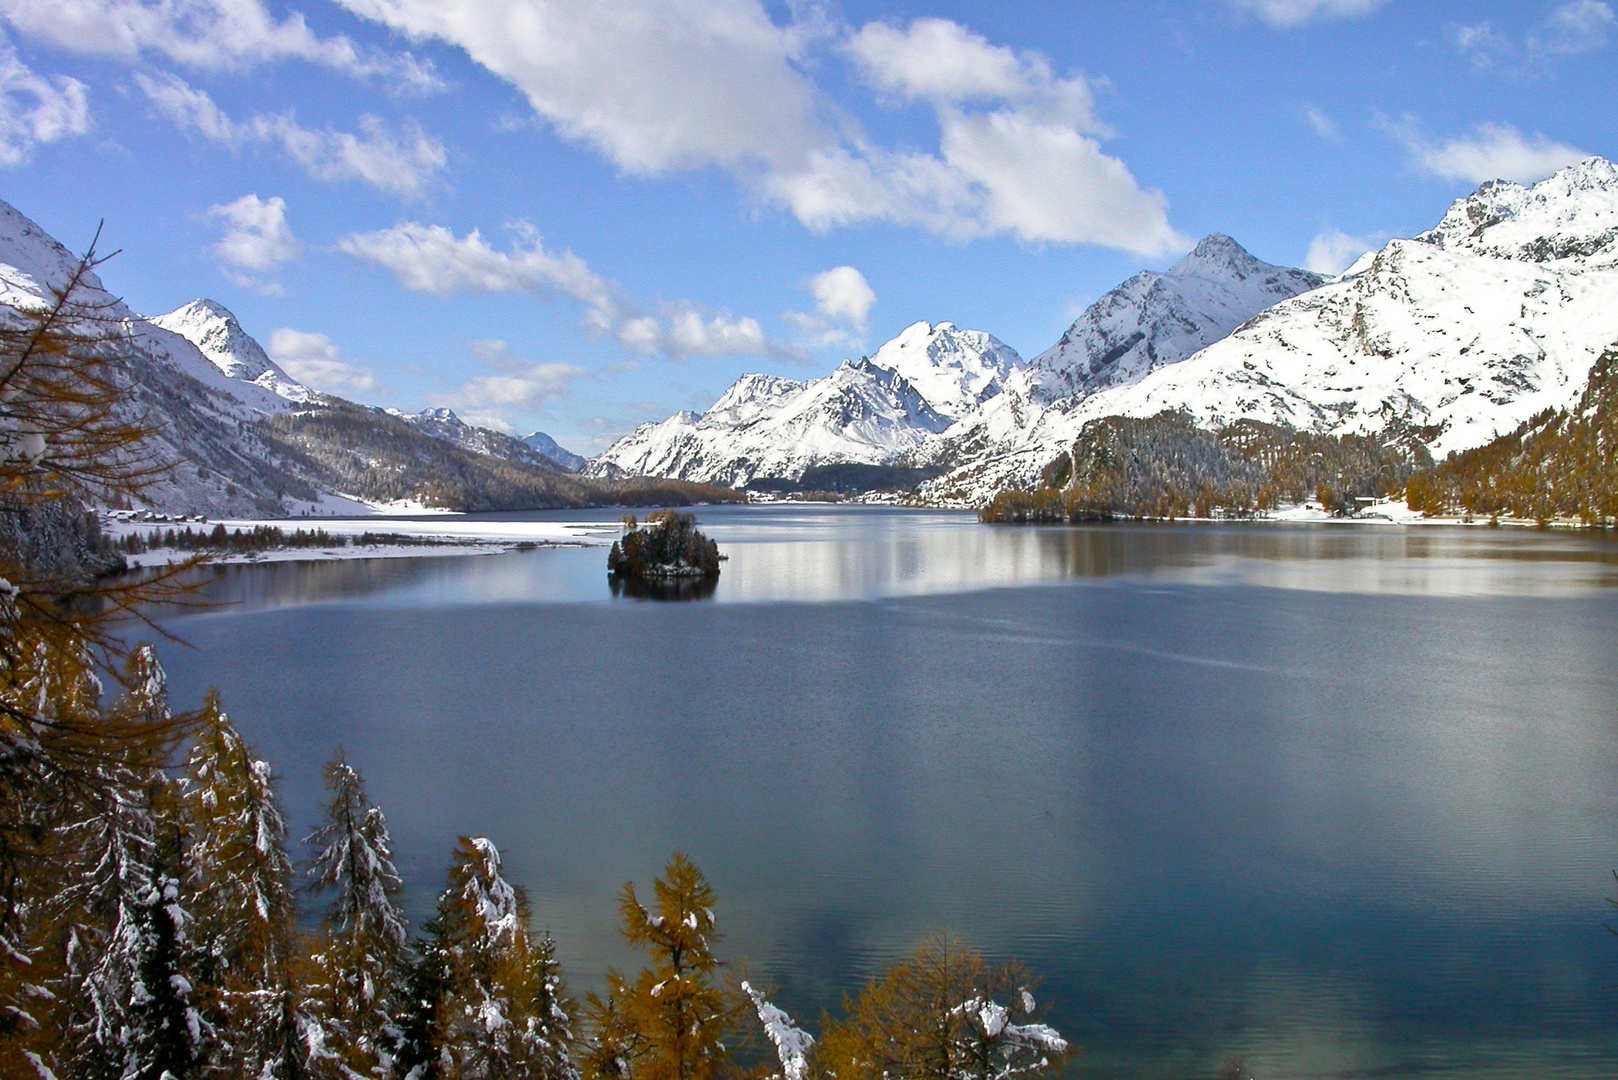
{"x": 665, "y": 558}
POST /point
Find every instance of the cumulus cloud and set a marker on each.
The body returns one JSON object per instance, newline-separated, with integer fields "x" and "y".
{"x": 664, "y": 85}
{"x": 315, "y": 361}
{"x": 1491, "y": 152}
{"x": 655, "y": 85}
{"x": 35, "y": 109}
{"x": 212, "y": 35}
{"x": 1018, "y": 151}
{"x": 843, "y": 293}
{"x": 1290, "y": 13}
{"x": 432, "y": 259}
{"x": 255, "y": 239}
{"x": 404, "y": 163}
{"x": 843, "y": 302}
{"x": 1334, "y": 251}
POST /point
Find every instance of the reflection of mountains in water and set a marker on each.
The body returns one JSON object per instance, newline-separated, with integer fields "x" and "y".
{"x": 664, "y": 588}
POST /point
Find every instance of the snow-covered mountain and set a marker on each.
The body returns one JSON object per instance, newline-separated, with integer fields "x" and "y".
{"x": 1572, "y": 215}
{"x": 1156, "y": 319}
{"x": 765, "y": 427}
{"x": 876, "y": 411}
{"x": 1467, "y": 330}
{"x": 553, "y": 452}
{"x": 243, "y": 439}
{"x": 955, "y": 370}
{"x": 1151, "y": 321}
{"x": 197, "y": 413}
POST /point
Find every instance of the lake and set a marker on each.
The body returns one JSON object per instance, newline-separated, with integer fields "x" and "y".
{"x": 1341, "y": 800}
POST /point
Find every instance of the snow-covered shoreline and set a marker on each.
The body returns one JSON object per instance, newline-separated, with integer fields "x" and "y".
{"x": 446, "y": 535}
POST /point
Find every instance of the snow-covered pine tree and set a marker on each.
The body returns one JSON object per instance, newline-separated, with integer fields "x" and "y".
{"x": 669, "y": 1024}
{"x": 244, "y": 932}
{"x": 499, "y": 1009}
{"x": 362, "y": 957}
{"x": 124, "y": 998}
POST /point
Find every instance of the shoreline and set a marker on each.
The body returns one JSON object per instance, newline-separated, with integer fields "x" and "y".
{"x": 439, "y": 537}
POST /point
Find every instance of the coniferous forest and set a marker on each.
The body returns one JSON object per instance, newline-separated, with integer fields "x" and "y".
{"x": 158, "y": 923}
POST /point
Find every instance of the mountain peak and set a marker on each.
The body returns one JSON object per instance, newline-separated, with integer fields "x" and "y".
{"x": 211, "y": 327}
{"x": 1572, "y": 214}
{"x": 954, "y": 369}
{"x": 1155, "y": 319}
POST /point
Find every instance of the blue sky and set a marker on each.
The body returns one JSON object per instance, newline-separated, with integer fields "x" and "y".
{"x": 578, "y": 215}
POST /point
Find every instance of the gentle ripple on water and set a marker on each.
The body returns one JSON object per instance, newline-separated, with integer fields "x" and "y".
{"x": 1339, "y": 800}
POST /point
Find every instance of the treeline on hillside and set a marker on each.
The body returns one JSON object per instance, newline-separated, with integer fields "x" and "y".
{"x": 1563, "y": 464}
{"x": 1167, "y": 467}
{"x": 374, "y": 456}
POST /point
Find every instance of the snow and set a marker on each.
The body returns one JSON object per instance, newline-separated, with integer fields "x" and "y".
{"x": 1571, "y": 215}
{"x": 451, "y": 537}
{"x": 217, "y": 334}
{"x": 954, "y": 370}
{"x": 764, "y": 426}
{"x": 792, "y": 1043}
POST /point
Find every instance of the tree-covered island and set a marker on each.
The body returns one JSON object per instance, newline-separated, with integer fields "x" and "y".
{"x": 666, "y": 550}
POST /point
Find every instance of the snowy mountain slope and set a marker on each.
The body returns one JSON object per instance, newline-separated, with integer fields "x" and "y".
{"x": 765, "y": 427}
{"x": 1156, "y": 319}
{"x": 1468, "y": 331}
{"x": 220, "y": 338}
{"x": 199, "y": 417}
{"x": 554, "y": 452}
{"x": 1572, "y": 215}
{"x": 955, "y": 370}
{"x": 1150, "y": 321}
{"x": 244, "y": 440}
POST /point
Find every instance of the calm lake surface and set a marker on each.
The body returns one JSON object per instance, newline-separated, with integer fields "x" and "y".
{"x": 1341, "y": 800}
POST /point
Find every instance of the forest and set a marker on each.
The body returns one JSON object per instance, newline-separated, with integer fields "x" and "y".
{"x": 156, "y": 923}
{"x": 1557, "y": 466}
{"x": 1166, "y": 467}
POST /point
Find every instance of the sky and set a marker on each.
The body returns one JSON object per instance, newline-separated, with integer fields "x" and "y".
{"x": 580, "y": 215}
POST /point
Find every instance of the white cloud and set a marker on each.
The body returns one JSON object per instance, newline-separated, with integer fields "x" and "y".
{"x": 213, "y": 35}
{"x": 313, "y": 360}
{"x": 1572, "y": 28}
{"x": 35, "y": 109}
{"x": 1323, "y": 125}
{"x": 664, "y": 85}
{"x": 1579, "y": 26}
{"x": 518, "y": 385}
{"x": 843, "y": 300}
{"x": 655, "y": 85}
{"x": 943, "y": 62}
{"x": 1018, "y": 151}
{"x": 255, "y": 241}
{"x": 404, "y": 164}
{"x": 1333, "y": 251}
{"x": 843, "y": 293}
{"x": 1492, "y": 152}
{"x": 432, "y": 259}
{"x": 1290, "y": 13}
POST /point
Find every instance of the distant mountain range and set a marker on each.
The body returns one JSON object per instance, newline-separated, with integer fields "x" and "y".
{"x": 1461, "y": 334}
{"x": 1456, "y": 337}
{"x": 246, "y": 439}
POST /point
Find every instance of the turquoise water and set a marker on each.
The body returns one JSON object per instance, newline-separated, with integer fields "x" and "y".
{"x": 1339, "y": 800}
